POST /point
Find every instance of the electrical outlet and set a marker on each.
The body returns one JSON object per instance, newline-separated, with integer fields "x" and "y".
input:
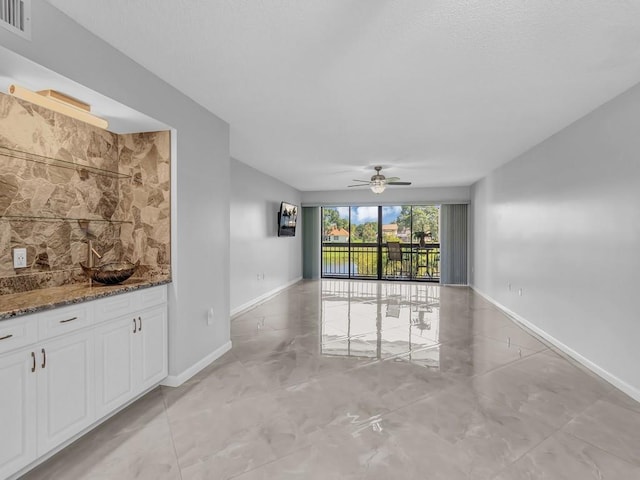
{"x": 520, "y": 291}
{"x": 210, "y": 316}
{"x": 19, "y": 258}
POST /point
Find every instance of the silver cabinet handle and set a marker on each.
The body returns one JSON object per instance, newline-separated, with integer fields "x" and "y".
{"x": 135, "y": 326}
{"x": 6, "y": 336}
{"x": 33, "y": 366}
{"x": 68, "y": 320}
{"x": 140, "y": 327}
{"x": 44, "y": 358}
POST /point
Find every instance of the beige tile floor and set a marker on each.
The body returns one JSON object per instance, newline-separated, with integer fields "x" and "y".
{"x": 371, "y": 380}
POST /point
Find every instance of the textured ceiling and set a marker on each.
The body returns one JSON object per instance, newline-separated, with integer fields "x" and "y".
{"x": 441, "y": 92}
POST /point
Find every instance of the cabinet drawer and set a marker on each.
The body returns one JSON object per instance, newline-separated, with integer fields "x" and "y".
{"x": 18, "y": 332}
{"x": 116, "y": 306}
{"x": 150, "y": 297}
{"x": 63, "y": 320}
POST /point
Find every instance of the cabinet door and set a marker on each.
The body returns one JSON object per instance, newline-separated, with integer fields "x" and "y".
{"x": 65, "y": 389}
{"x": 17, "y": 412}
{"x": 153, "y": 346}
{"x": 115, "y": 383}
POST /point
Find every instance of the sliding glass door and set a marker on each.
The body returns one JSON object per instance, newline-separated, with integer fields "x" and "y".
{"x": 350, "y": 242}
{"x": 381, "y": 242}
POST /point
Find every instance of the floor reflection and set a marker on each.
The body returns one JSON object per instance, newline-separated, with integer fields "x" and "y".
{"x": 381, "y": 320}
{"x": 493, "y": 402}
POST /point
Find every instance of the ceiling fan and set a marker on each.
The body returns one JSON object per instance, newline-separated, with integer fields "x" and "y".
{"x": 379, "y": 182}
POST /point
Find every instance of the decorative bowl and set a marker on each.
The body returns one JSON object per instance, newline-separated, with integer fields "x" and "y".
{"x": 110, "y": 273}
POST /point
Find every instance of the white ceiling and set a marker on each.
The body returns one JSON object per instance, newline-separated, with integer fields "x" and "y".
{"x": 440, "y": 91}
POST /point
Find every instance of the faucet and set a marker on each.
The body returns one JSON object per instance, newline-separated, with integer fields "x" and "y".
{"x": 90, "y": 253}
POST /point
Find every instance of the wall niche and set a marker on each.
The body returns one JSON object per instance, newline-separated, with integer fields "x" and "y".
{"x": 56, "y": 173}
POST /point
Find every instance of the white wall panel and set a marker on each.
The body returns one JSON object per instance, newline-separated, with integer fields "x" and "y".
{"x": 256, "y": 249}
{"x": 562, "y": 223}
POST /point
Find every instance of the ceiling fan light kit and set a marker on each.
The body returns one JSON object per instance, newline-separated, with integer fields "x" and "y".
{"x": 379, "y": 182}
{"x": 377, "y": 186}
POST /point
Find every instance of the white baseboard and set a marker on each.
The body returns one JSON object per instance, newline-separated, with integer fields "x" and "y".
{"x": 265, "y": 296}
{"x": 177, "y": 380}
{"x": 568, "y": 351}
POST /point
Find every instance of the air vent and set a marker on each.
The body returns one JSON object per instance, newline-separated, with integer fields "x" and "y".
{"x": 15, "y": 16}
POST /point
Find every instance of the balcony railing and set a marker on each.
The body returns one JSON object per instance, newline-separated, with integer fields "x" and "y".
{"x": 360, "y": 260}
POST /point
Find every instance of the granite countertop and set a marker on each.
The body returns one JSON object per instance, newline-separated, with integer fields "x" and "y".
{"x": 17, "y": 304}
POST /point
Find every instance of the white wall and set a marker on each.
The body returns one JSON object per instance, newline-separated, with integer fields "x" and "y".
{"x": 562, "y": 222}
{"x": 201, "y": 239}
{"x": 391, "y": 196}
{"x": 256, "y": 248}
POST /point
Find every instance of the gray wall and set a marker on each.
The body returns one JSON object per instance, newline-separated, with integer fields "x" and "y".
{"x": 311, "y": 235}
{"x": 391, "y": 196}
{"x": 200, "y": 233}
{"x": 256, "y": 248}
{"x": 311, "y": 264}
{"x": 562, "y": 222}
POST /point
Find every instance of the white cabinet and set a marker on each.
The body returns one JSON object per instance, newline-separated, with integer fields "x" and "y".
{"x": 152, "y": 344}
{"x": 17, "y": 411}
{"x": 18, "y": 332}
{"x": 65, "y": 389}
{"x": 117, "y": 306}
{"x": 114, "y": 364}
{"x": 131, "y": 356}
{"x": 153, "y": 296}
{"x": 63, "y": 370}
{"x": 64, "y": 320}
{"x": 51, "y": 382}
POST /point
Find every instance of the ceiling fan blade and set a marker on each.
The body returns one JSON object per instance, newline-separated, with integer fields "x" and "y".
{"x": 364, "y": 181}
{"x": 398, "y": 183}
{"x": 392, "y": 179}
{"x": 359, "y": 185}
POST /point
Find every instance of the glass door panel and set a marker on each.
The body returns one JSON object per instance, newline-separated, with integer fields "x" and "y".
{"x": 395, "y": 246}
{"x": 335, "y": 242}
{"x": 425, "y": 227}
{"x": 363, "y": 242}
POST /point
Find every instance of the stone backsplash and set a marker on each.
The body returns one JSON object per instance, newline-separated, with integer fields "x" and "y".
{"x": 54, "y": 171}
